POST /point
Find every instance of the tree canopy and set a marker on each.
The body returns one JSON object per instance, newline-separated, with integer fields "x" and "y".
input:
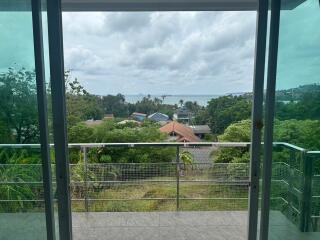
{"x": 110, "y": 131}
{"x": 302, "y": 133}
{"x": 226, "y": 110}
{"x": 18, "y": 107}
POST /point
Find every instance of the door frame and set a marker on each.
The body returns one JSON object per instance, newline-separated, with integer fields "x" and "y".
{"x": 55, "y": 39}
{"x": 269, "y": 117}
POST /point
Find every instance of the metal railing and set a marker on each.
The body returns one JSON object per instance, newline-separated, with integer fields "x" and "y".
{"x": 177, "y": 185}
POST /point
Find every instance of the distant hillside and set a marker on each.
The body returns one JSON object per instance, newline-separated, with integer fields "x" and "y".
{"x": 295, "y": 94}
{"x": 291, "y": 94}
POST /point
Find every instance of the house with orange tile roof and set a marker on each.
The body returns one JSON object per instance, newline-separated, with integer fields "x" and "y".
{"x": 179, "y": 132}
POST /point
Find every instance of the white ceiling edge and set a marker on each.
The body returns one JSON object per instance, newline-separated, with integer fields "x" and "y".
{"x": 170, "y": 5}
{"x": 150, "y": 5}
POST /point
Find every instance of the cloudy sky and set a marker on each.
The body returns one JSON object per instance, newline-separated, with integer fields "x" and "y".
{"x": 168, "y": 52}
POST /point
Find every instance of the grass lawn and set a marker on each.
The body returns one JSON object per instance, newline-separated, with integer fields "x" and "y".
{"x": 161, "y": 196}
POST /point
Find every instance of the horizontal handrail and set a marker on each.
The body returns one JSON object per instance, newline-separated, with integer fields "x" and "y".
{"x": 160, "y": 144}
{"x": 138, "y": 144}
{"x": 313, "y": 152}
{"x": 130, "y": 164}
{"x": 289, "y": 145}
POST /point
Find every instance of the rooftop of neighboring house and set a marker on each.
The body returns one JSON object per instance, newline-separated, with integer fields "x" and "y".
{"x": 139, "y": 114}
{"x": 182, "y": 111}
{"x": 158, "y": 117}
{"x": 197, "y": 129}
{"x": 181, "y": 132}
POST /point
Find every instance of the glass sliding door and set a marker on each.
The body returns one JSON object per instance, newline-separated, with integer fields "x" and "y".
{"x": 23, "y": 214}
{"x": 294, "y": 191}
{"x": 122, "y": 71}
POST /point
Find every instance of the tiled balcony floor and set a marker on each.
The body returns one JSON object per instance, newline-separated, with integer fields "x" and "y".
{"x": 159, "y": 225}
{"x": 210, "y": 225}
{"x": 213, "y": 225}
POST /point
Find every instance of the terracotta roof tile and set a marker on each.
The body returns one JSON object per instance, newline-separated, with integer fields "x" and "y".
{"x": 185, "y": 133}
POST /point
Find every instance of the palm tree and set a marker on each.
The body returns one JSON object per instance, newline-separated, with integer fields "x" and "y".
{"x": 181, "y": 102}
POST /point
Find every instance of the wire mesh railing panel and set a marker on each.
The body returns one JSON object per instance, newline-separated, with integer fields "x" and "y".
{"x": 222, "y": 172}
{"x": 315, "y": 193}
{"x": 113, "y": 183}
{"x": 289, "y": 179}
{"x": 21, "y": 172}
{"x": 280, "y": 171}
{"x": 131, "y": 171}
{"x": 232, "y": 204}
{"x": 131, "y": 182}
{"x": 190, "y": 179}
{"x": 201, "y": 155}
{"x": 21, "y": 187}
{"x": 213, "y": 196}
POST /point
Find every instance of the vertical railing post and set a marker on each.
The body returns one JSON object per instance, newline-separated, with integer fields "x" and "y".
{"x": 85, "y": 161}
{"x": 305, "y": 214}
{"x": 290, "y": 180}
{"x": 178, "y": 178}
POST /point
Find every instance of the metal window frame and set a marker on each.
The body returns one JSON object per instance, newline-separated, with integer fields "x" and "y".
{"x": 257, "y": 117}
{"x": 269, "y": 117}
{"x": 59, "y": 110}
{"x": 159, "y": 5}
{"x": 59, "y": 117}
{"x": 43, "y": 116}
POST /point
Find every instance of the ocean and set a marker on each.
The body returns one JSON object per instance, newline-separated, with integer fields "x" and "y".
{"x": 202, "y": 100}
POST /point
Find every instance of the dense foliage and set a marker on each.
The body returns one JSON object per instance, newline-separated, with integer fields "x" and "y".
{"x": 18, "y": 107}
{"x": 302, "y": 133}
{"x": 225, "y": 110}
{"x": 296, "y": 94}
{"x": 80, "y": 104}
{"x": 115, "y": 104}
{"x": 307, "y": 107}
{"x": 236, "y": 132}
{"x": 109, "y": 131}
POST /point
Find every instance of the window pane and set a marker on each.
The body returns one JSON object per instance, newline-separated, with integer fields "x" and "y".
{"x": 295, "y": 201}
{"x": 21, "y": 185}
{"x": 152, "y": 77}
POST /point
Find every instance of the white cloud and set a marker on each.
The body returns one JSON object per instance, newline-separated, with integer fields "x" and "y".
{"x": 167, "y": 52}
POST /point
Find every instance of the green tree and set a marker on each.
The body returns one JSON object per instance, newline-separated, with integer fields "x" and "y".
{"x": 148, "y": 105}
{"x": 18, "y": 106}
{"x": 181, "y": 102}
{"x": 306, "y": 107}
{"x": 226, "y": 110}
{"x": 303, "y": 133}
{"x": 81, "y": 133}
{"x": 236, "y": 132}
{"x": 109, "y": 131}
{"x": 193, "y": 107}
{"x": 116, "y": 105}
{"x": 81, "y": 105}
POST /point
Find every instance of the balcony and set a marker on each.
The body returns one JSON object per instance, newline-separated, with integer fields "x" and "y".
{"x": 180, "y": 199}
